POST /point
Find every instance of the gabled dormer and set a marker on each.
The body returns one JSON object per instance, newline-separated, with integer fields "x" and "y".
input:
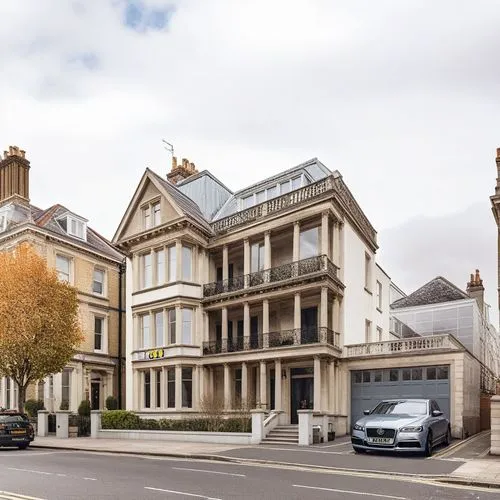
{"x": 73, "y": 225}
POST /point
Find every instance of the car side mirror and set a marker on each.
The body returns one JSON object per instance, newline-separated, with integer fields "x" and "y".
{"x": 436, "y": 413}
{"x": 366, "y": 412}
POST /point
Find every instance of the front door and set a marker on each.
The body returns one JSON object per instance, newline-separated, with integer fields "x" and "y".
{"x": 302, "y": 392}
{"x": 95, "y": 395}
{"x": 309, "y": 325}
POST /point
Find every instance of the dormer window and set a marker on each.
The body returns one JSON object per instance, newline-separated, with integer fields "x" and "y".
{"x": 74, "y": 226}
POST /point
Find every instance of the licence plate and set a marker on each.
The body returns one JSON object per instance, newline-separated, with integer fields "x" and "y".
{"x": 18, "y": 432}
{"x": 18, "y": 439}
{"x": 380, "y": 440}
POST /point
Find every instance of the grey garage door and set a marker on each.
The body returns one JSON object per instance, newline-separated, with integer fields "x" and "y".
{"x": 368, "y": 387}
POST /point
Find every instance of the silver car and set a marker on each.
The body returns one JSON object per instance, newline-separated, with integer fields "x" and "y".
{"x": 402, "y": 425}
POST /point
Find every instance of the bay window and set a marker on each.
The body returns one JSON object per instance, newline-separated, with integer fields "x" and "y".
{"x": 187, "y": 387}
{"x": 187, "y": 263}
{"x": 187, "y": 319}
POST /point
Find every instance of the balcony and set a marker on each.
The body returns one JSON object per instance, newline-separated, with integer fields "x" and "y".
{"x": 292, "y": 271}
{"x": 283, "y": 338}
{"x": 411, "y": 345}
{"x": 331, "y": 185}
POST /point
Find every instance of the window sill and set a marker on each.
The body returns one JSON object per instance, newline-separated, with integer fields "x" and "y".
{"x": 368, "y": 291}
{"x": 164, "y": 285}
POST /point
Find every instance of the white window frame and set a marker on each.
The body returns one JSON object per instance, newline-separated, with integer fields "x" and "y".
{"x": 104, "y": 334}
{"x": 104, "y": 281}
{"x": 191, "y": 263}
{"x": 151, "y": 214}
{"x": 379, "y": 295}
{"x": 70, "y": 267}
{"x": 191, "y": 326}
{"x": 380, "y": 334}
{"x": 142, "y": 261}
{"x": 368, "y": 331}
{"x": 141, "y": 331}
{"x": 160, "y": 268}
{"x": 368, "y": 271}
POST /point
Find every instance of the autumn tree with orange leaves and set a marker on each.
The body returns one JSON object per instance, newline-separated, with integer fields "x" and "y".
{"x": 39, "y": 326}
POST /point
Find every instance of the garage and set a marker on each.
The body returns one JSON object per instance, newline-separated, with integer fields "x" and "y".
{"x": 369, "y": 387}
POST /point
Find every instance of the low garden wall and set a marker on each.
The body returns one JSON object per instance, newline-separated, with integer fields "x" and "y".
{"x": 119, "y": 424}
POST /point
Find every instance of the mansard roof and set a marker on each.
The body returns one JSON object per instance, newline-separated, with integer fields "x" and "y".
{"x": 435, "y": 291}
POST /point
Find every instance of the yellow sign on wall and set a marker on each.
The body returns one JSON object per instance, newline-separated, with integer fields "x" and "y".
{"x": 156, "y": 354}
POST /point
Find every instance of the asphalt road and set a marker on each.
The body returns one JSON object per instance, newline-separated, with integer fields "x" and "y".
{"x": 55, "y": 475}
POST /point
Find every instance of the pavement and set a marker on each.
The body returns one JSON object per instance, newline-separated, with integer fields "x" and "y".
{"x": 43, "y": 474}
{"x": 464, "y": 462}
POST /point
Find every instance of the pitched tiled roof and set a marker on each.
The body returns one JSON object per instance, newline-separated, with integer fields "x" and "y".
{"x": 436, "y": 291}
{"x": 47, "y": 219}
{"x": 186, "y": 204}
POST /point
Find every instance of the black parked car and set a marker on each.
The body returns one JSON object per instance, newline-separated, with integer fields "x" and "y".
{"x": 15, "y": 430}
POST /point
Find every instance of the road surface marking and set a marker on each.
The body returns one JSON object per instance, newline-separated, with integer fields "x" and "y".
{"x": 347, "y": 443}
{"x": 364, "y": 493}
{"x": 317, "y": 450}
{"x": 30, "y": 470}
{"x": 181, "y": 493}
{"x": 458, "y": 446}
{"x": 90, "y": 478}
{"x": 17, "y": 496}
{"x": 210, "y": 471}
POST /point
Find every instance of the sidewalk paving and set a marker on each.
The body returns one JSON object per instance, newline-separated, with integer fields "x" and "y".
{"x": 472, "y": 471}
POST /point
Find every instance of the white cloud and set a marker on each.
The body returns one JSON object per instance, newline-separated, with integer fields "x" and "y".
{"x": 401, "y": 97}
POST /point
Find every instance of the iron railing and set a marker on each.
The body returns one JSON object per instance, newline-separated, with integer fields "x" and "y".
{"x": 283, "y": 338}
{"x": 333, "y": 185}
{"x": 292, "y": 270}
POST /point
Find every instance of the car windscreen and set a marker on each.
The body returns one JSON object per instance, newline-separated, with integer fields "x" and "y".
{"x": 401, "y": 408}
{"x": 10, "y": 419}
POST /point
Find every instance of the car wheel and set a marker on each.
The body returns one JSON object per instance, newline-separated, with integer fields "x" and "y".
{"x": 428, "y": 445}
{"x": 22, "y": 446}
{"x": 447, "y": 439}
{"x": 358, "y": 450}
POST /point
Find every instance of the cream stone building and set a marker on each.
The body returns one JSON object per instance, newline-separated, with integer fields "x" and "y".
{"x": 90, "y": 263}
{"x": 270, "y": 297}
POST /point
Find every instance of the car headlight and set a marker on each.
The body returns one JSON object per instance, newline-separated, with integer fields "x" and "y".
{"x": 411, "y": 429}
{"x": 358, "y": 427}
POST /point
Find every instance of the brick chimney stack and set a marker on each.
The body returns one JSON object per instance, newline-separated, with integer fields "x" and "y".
{"x": 475, "y": 289}
{"x": 14, "y": 175}
{"x": 182, "y": 171}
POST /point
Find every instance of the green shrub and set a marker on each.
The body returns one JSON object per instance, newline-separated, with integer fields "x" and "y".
{"x": 33, "y": 406}
{"x": 111, "y": 403}
{"x": 64, "y": 405}
{"x": 84, "y": 408}
{"x": 120, "y": 419}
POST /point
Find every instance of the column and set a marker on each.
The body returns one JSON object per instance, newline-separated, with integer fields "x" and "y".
{"x": 335, "y": 319}
{"x": 340, "y": 323}
{"x": 244, "y": 385}
{"x": 263, "y": 384}
{"x": 202, "y": 383}
{"x": 340, "y": 247}
{"x": 337, "y": 388}
{"x": 277, "y": 384}
{"x": 178, "y": 260}
{"x": 196, "y": 387}
{"x": 331, "y": 387}
{"x": 324, "y": 308}
{"x": 206, "y": 326}
{"x": 335, "y": 248}
{"x": 152, "y": 387}
{"x": 164, "y": 385}
{"x": 224, "y": 329}
{"x": 109, "y": 384}
{"x": 265, "y": 323}
{"x": 267, "y": 250}
{"x": 297, "y": 319}
{"x": 178, "y": 324}
{"x": 178, "y": 387}
{"x": 325, "y": 250}
{"x": 296, "y": 241}
{"x": 317, "y": 383}
{"x": 246, "y": 322}
{"x": 136, "y": 377}
{"x": 227, "y": 387}
{"x": 225, "y": 262}
{"x": 246, "y": 260}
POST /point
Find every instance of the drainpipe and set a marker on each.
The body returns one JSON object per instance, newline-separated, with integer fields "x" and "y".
{"x": 121, "y": 272}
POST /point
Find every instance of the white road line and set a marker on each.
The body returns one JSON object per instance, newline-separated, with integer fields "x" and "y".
{"x": 364, "y": 493}
{"x": 17, "y": 496}
{"x": 334, "y": 445}
{"x": 30, "y": 470}
{"x": 181, "y": 493}
{"x": 307, "y": 451}
{"x": 90, "y": 479}
{"x": 210, "y": 471}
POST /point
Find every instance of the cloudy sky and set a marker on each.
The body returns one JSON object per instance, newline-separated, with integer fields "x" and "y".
{"x": 401, "y": 96}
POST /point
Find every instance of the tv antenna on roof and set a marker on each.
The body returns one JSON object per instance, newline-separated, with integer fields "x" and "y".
{"x": 169, "y": 147}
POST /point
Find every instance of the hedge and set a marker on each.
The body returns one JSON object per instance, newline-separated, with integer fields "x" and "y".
{"x": 121, "y": 419}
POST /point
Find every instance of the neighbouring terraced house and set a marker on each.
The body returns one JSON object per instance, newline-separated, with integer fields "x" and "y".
{"x": 87, "y": 261}
{"x": 270, "y": 297}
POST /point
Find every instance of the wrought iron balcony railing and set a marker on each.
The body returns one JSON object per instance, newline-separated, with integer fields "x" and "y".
{"x": 333, "y": 185}
{"x": 292, "y": 270}
{"x": 283, "y": 338}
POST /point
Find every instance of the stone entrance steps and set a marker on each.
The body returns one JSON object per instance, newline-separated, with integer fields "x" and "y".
{"x": 283, "y": 434}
